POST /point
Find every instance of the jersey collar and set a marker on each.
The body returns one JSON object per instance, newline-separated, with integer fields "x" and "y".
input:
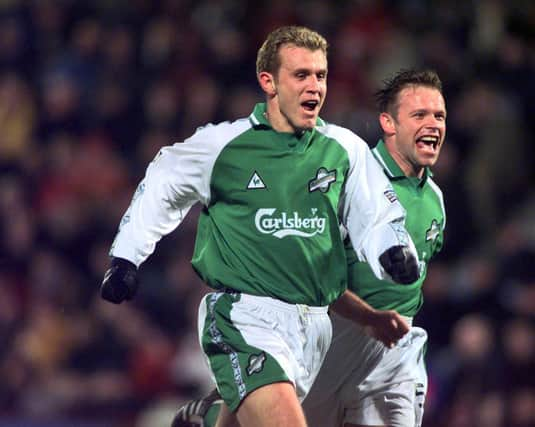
{"x": 258, "y": 117}
{"x": 391, "y": 168}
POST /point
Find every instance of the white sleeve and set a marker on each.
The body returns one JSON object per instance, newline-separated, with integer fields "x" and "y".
{"x": 371, "y": 210}
{"x": 175, "y": 180}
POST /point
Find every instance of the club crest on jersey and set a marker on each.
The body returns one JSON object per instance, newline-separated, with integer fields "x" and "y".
{"x": 433, "y": 231}
{"x": 322, "y": 181}
{"x": 256, "y": 363}
{"x": 256, "y": 183}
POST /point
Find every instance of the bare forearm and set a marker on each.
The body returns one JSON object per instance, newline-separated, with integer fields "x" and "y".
{"x": 385, "y": 325}
{"x": 353, "y": 308}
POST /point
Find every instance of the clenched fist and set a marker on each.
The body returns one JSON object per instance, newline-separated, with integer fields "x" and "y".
{"x": 400, "y": 264}
{"x": 120, "y": 281}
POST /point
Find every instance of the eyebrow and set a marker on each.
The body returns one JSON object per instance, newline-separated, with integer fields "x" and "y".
{"x": 428, "y": 110}
{"x": 308, "y": 70}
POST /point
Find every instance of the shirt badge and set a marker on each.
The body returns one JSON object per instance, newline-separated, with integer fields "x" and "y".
{"x": 323, "y": 180}
{"x": 256, "y": 183}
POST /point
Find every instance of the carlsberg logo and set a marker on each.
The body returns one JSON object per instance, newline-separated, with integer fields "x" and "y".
{"x": 285, "y": 224}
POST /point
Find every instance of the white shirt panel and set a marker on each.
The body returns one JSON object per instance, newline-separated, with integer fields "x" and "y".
{"x": 374, "y": 221}
{"x": 175, "y": 180}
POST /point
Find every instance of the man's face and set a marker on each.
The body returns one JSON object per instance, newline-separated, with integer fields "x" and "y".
{"x": 420, "y": 128}
{"x": 301, "y": 85}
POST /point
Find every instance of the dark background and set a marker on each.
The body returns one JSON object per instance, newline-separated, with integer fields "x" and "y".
{"x": 89, "y": 91}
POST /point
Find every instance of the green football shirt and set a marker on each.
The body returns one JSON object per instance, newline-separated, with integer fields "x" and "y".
{"x": 272, "y": 205}
{"x": 425, "y": 222}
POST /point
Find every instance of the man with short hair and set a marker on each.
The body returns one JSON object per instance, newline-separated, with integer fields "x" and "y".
{"x": 275, "y": 188}
{"x": 362, "y": 382}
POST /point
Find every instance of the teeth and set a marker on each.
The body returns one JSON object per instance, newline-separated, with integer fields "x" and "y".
{"x": 432, "y": 139}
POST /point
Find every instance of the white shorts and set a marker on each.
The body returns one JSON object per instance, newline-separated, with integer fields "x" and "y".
{"x": 251, "y": 341}
{"x": 363, "y": 382}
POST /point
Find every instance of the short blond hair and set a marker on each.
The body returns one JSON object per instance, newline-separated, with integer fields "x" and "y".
{"x": 268, "y": 58}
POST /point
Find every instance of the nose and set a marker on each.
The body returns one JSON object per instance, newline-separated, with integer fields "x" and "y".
{"x": 432, "y": 126}
{"x": 435, "y": 124}
{"x": 315, "y": 84}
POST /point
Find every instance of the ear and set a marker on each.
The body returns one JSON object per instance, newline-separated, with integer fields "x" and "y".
{"x": 387, "y": 123}
{"x": 267, "y": 83}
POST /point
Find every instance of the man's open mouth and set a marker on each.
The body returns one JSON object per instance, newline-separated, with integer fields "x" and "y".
{"x": 429, "y": 141}
{"x": 310, "y": 105}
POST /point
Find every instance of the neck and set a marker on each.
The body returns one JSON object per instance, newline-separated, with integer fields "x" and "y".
{"x": 408, "y": 168}
{"x": 278, "y": 121}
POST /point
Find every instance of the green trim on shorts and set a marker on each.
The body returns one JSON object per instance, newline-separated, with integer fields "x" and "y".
{"x": 238, "y": 367}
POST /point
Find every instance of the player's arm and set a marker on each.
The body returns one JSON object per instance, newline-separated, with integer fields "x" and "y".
{"x": 375, "y": 219}
{"x": 386, "y": 326}
{"x": 174, "y": 181}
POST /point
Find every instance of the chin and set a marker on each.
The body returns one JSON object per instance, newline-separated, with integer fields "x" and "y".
{"x": 309, "y": 124}
{"x": 302, "y": 127}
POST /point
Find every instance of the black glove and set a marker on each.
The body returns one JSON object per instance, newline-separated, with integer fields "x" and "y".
{"x": 400, "y": 264}
{"x": 120, "y": 281}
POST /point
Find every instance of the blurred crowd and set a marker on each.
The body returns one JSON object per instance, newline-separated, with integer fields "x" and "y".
{"x": 89, "y": 92}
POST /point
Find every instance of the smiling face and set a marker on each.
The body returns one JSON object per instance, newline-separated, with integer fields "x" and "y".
{"x": 415, "y": 131}
{"x": 296, "y": 91}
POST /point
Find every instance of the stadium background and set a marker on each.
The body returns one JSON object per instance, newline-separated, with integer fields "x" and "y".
{"x": 89, "y": 91}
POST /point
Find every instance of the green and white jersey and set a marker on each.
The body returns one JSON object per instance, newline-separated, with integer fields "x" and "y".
{"x": 272, "y": 207}
{"x": 425, "y": 222}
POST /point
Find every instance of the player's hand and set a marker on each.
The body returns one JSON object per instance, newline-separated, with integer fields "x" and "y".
{"x": 120, "y": 281}
{"x": 388, "y": 327}
{"x": 400, "y": 264}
